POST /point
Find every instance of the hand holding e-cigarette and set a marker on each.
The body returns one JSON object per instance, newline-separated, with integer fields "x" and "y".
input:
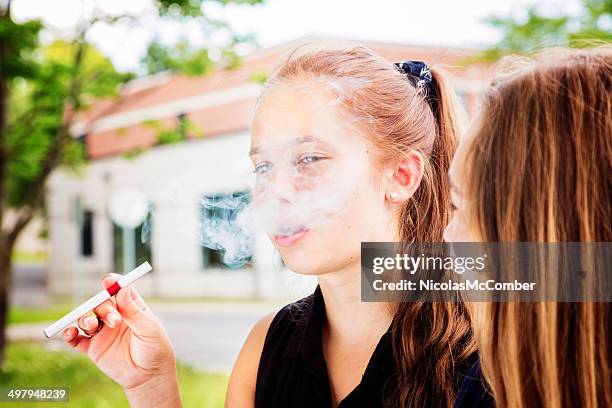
{"x": 132, "y": 347}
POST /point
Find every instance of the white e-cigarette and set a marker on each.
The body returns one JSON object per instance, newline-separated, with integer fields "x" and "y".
{"x": 97, "y": 300}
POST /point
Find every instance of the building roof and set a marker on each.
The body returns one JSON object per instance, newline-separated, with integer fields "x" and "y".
{"x": 222, "y": 101}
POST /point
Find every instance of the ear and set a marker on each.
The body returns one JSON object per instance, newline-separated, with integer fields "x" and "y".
{"x": 404, "y": 177}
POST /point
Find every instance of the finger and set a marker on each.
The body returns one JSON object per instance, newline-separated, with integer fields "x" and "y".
{"x": 110, "y": 278}
{"x": 138, "y": 299}
{"x": 136, "y": 314}
{"x": 76, "y": 341}
{"x": 108, "y": 313}
{"x": 108, "y": 310}
{"x": 88, "y": 322}
{"x": 133, "y": 309}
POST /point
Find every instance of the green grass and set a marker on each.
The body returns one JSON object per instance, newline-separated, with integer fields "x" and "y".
{"x": 33, "y": 315}
{"x": 30, "y": 365}
{"x": 29, "y": 257}
{"x": 152, "y": 300}
{"x": 20, "y": 315}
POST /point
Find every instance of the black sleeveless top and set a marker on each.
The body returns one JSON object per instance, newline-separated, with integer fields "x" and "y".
{"x": 292, "y": 370}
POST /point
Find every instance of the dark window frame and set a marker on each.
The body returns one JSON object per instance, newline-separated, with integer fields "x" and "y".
{"x": 86, "y": 234}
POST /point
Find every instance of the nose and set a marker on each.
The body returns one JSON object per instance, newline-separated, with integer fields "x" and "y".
{"x": 277, "y": 184}
{"x": 283, "y": 185}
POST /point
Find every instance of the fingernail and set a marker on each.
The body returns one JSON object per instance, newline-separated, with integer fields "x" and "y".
{"x": 89, "y": 322}
{"x": 113, "y": 319}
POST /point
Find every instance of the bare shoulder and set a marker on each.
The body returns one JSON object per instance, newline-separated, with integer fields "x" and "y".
{"x": 241, "y": 387}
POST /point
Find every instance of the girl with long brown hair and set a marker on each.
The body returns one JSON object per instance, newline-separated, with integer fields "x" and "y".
{"x": 537, "y": 167}
{"x": 388, "y": 133}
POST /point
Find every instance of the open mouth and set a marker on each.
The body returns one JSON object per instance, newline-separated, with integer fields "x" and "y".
{"x": 290, "y": 237}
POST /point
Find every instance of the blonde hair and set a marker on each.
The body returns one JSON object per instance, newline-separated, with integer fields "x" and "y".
{"x": 539, "y": 170}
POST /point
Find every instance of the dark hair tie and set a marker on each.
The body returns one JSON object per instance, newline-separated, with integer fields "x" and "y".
{"x": 415, "y": 69}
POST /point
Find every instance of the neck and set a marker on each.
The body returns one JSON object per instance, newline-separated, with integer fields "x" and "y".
{"x": 347, "y": 316}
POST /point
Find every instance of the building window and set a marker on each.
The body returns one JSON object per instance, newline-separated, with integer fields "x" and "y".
{"x": 82, "y": 139}
{"x": 181, "y": 118}
{"x": 221, "y": 210}
{"x": 211, "y": 258}
{"x": 84, "y": 218}
{"x": 86, "y": 228}
{"x": 129, "y": 250}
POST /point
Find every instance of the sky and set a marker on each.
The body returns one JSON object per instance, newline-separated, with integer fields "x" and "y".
{"x": 429, "y": 22}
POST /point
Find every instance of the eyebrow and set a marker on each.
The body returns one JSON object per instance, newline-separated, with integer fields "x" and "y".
{"x": 303, "y": 139}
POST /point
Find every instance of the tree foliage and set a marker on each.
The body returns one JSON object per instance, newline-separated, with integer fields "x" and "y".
{"x": 42, "y": 90}
{"x": 180, "y": 58}
{"x": 537, "y": 29}
{"x": 42, "y": 103}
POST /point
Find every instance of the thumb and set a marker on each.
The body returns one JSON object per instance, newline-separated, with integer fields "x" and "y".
{"x": 134, "y": 311}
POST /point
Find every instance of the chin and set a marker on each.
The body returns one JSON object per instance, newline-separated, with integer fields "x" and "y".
{"x": 304, "y": 267}
{"x": 302, "y": 260}
{"x": 300, "y": 254}
{"x": 318, "y": 251}
{"x": 317, "y": 261}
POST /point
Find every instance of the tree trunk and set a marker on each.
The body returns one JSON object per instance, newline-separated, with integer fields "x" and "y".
{"x": 5, "y": 245}
{"x": 5, "y": 282}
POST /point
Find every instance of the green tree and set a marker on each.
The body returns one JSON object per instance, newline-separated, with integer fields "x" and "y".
{"x": 181, "y": 58}
{"x": 42, "y": 89}
{"x": 535, "y": 29}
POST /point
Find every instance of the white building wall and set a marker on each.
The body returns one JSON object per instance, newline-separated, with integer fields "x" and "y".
{"x": 173, "y": 178}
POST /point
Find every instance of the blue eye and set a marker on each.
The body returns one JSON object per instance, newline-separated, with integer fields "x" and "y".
{"x": 309, "y": 159}
{"x": 262, "y": 168}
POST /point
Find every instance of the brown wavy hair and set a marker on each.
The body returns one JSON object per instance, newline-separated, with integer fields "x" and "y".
{"x": 430, "y": 340}
{"x": 539, "y": 169}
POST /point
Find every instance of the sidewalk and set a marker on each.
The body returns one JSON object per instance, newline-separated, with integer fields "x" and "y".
{"x": 206, "y": 335}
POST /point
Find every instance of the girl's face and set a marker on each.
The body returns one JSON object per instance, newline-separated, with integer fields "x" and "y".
{"x": 314, "y": 191}
{"x": 460, "y": 229}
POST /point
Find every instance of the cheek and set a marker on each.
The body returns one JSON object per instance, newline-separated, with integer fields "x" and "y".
{"x": 333, "y": 246}
{"x": 360, "y": 219}
{"x": 458, "y": 230}
{"x": 350, "y": 224}
{"x": 449, "y": 231}
{"x": 363, "y": 210}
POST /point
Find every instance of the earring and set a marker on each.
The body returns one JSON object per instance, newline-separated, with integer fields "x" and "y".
{"x": 393, "y": 195}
